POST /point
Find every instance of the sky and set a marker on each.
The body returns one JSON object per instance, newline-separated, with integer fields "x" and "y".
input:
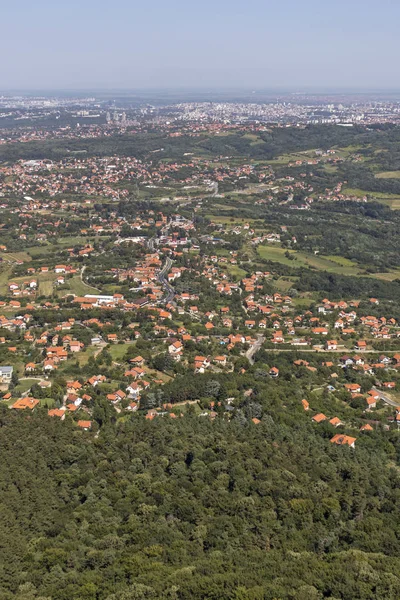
{"x": 212, "y": 44}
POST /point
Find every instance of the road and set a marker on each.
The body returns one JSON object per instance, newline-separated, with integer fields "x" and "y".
{"x": 254, "y": 348}
{"x": 91, "y": 287}
{"x": 385, "y": 397}
{"x": 169, "y": 290}
{"x": 214, "y": 187}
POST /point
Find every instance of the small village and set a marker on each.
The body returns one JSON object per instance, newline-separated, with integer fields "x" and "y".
{"x": 180, "y": 302}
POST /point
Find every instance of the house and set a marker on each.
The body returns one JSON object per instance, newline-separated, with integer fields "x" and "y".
{"x": 274, "y": 372}
{"x": 23, "y": 403}
{"x": 75, "y": 346}
{"x": 57, "y": 412}
{"x": 331, "y": 345}
{"x": 319, "y": 418}
{"x": 361, "y": 345}
{"x": 220, "y": 360}
{"x": 353, "y": 388}
{"x": 343, "y": 440}
{"x": 305, "y": 404}
{"x": 200, "y": 364}
{"x": 6, "y": 374}
{"x": 335, "y": 421}
{"x": 371, "y": 402}
{"x": 133, "y": 389}
{"x": 175, "y": 349}
{"x": 138, "y": 361}
{"x": 73, "y": 387}
{"x": 85, "y": 425}
{"x": 366, "y": 427}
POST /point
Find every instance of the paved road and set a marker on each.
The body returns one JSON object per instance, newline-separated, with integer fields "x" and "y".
{"x": 169, "y": 290}
{"x": 254, "y": 348}
{"x": 84, "y": 282}
{"x": 385, "y": 397}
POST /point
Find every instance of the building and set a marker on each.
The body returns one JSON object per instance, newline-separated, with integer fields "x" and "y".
{"x": 6, "y": 374}
{"x": 343, "y": 440}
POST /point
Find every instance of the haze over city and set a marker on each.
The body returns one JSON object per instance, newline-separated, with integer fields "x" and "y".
{"x": 131, "y": 45}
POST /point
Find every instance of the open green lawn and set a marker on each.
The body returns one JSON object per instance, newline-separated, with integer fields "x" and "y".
{"x": 394, "y": 204}
{"x": 118, "y": 351}
{"x": 341, "y": 260}
{"x": 300, "y": 259}
{"x": 45, "y": 281}
{"x": 15, "y": 256}
{"x": 378, "y": 195}
{"x": 84, "y": 356}
{"x": 303, "y": 302}
{"x": 24, "y": 386}
{"x": 332, "y": 264}
{"x": 227, "y": 219}
{"x": 284, "y": 284}
{"x": 5, "y": 275}
{"x": 388, "y": 175}
{"x": 236, "y": 272}
{"x": 79, "y": 287}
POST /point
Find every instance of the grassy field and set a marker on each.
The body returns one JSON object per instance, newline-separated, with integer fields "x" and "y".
{"x": 24, "y": 386}
{"x": 118, "y": 351}
{"x": 84, "y": 356}
{"x": 300, "y": 259}
{"x": 5, "y": 275}
{"x": 46, "y": 283}
{"x": 393, "y": 204}
{"x": 79, "y": 287}
{"x": 378, "y": 195}
{"x": 303, "y": 302}
{"x": 62, "y": 243}
{"x": 284, "y": 284}
{"x": 228, "y": 220}
{"x": 15, "y": 256}
{"x": 388, "y": 175}
{"x": 331, "y": 264}
{"x": 236, "y": 271}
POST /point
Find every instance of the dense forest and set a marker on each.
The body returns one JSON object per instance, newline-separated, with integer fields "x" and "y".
{"x": 188, "y": 508}
{"x": 273, "y": 142}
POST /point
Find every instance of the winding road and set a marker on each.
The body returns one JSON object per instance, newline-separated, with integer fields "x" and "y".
{"x": 254, "y": 348}
{"x": 169, "y": 290}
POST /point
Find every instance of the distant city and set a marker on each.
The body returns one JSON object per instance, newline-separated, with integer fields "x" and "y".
{"x": 93, "y": 111}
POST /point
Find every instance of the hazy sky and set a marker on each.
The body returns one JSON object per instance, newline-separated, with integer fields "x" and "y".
{"x": 212, "y": 43}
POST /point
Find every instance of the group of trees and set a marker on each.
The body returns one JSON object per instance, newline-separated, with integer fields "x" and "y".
{"x": 190, "y": 509}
